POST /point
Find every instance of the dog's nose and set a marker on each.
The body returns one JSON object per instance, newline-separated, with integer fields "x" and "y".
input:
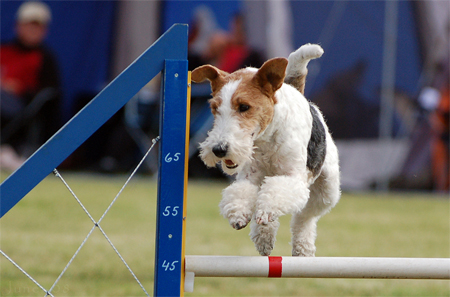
{"x": 220, "y": 150}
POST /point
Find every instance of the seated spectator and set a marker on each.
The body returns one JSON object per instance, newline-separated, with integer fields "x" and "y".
{"x": 29, "y": 82}
{"x": 236, "y": 53}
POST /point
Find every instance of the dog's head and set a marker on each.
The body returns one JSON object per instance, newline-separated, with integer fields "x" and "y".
{"x": 243, "y": 107}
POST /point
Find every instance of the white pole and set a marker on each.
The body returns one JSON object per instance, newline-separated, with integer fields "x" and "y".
{"x": 386, "y": 122}
{"x": 319, "y": 267}
{"x": 388, "y": 71}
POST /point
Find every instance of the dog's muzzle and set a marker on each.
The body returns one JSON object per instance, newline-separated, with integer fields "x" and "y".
{"x": 220, "y": 151}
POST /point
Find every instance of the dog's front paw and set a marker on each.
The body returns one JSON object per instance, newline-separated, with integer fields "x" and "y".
{"x": 238, "y": 203}
{"x": 264, "y": 217}
{"x": 239, "y": 220}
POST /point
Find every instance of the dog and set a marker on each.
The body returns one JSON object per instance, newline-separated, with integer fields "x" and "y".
{"x": 277, "y": 144}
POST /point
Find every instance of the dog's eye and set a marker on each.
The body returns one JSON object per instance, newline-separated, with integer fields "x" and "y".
{"x": 243, "y": 107}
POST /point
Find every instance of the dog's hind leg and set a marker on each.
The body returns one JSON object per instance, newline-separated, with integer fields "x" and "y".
{"x": 297, "y": 70}
{"x": 303, "y": 228}
{"x": 264, "y": 236}
{"x": 278, "y": 195}
{"x": 324, "y": 194}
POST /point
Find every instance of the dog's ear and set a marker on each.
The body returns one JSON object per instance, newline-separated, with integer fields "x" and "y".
{"x": 271, "y": 75}
{"x": 211, "y": 73}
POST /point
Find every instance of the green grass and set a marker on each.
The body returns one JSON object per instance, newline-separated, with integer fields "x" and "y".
{"x": 44, "y": 230}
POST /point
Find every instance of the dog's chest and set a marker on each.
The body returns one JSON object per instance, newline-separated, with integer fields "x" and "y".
{"x": 281, "y": 149}
{"x": 268, "y": 158}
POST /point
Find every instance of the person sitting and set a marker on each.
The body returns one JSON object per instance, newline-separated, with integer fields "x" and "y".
{"x": 30, "y": 81}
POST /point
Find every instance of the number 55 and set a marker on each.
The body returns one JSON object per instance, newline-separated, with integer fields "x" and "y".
{"x": 174, "y": 213}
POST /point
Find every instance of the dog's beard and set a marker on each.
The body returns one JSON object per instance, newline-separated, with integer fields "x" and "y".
{"x": 240, "y": 151}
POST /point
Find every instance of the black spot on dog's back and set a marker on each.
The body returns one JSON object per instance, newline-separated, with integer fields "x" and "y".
{"x": 317, "y": 143}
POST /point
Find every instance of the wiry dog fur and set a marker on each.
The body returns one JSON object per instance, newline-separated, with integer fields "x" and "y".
{"x": 277, "y": 143}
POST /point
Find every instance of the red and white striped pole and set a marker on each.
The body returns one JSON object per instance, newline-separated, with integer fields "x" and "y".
{"x": 316, "y": 267}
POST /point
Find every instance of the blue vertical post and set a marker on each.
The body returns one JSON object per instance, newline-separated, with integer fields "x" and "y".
{"x": 169, "y": 257}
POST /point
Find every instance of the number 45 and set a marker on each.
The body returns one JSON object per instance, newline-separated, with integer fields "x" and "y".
{"x": 169, "y": 265}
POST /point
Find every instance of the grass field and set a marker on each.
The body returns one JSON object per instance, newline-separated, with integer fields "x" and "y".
{"x": 44, "y": 230}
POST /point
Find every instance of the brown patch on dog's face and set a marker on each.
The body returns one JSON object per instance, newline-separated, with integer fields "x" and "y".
{"x": 254, "y": 99}
{"x": 253, "y": 107}
{"x": 214, "y": 104}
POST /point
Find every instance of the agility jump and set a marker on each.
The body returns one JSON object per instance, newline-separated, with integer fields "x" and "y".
{"x": 318, "y": 267}
{"x": 175, "y": 272}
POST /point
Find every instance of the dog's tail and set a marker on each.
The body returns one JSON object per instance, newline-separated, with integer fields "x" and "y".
{"x": 296, "y": 70}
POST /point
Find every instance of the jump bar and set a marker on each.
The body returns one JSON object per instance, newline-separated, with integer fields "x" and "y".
{"x": 318, "y": 267}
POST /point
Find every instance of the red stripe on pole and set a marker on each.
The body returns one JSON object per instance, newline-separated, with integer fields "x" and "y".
{"x": 275, "y": 266}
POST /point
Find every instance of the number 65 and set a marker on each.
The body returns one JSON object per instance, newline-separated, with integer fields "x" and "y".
{"x": 175, "y": 158}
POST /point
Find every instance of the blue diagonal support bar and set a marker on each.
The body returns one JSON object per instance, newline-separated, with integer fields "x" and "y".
{"x": 171, "y": 45}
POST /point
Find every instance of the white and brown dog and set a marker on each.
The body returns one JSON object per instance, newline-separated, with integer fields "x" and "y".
{"x": 277, "y": 143}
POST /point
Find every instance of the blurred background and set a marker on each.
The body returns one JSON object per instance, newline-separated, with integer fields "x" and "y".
{"x": 382, "y": 84}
